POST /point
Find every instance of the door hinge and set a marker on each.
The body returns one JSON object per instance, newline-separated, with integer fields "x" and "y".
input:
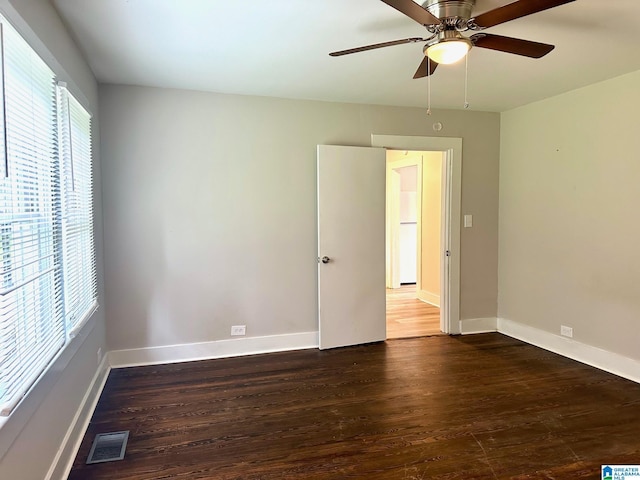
{"x": 447, "y": 253}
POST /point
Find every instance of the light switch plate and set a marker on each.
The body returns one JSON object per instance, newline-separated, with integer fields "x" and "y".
{"x": 468, "y": 221}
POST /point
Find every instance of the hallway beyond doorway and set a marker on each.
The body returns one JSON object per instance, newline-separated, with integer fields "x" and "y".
{"x": 409, "y": 317}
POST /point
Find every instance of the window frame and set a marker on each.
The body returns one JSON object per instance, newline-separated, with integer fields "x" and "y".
{"x": 58, "y": 361}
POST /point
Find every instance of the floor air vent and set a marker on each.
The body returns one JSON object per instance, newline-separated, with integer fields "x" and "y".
{"x": 108, "y": 447}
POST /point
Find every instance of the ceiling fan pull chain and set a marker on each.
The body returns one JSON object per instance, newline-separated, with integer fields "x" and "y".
{"x": 466, "y": 82}
{"x": 428, "y": 86}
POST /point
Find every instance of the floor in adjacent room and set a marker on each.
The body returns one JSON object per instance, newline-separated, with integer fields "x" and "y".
{"x": 409, "y": 317}
{"x": 472, "y": 407}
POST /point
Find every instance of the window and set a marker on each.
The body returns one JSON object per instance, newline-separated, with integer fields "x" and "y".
{"x": 47, "y": 267}
{"x": 78, "y": 259}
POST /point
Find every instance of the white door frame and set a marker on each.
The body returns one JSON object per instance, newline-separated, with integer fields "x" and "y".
{"x": 393, "y": 218}
{"x": 452, "y": 188}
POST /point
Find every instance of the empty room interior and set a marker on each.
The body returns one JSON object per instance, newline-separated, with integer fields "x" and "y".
{"x": 256, "y": 239}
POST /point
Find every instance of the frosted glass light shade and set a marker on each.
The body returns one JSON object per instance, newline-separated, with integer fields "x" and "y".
{"x": 448, "y": 51}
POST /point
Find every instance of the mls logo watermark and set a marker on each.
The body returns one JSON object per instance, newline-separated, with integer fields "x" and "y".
{"x": 620, "y": 472}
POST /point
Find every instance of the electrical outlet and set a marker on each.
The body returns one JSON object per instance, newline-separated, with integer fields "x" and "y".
{"x": 99, "y": 355}
{"x": 238, "y": 330}
{"x": 566, "y": 331}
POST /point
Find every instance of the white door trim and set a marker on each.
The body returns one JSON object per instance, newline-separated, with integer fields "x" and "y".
{"x": 450, "y": 274}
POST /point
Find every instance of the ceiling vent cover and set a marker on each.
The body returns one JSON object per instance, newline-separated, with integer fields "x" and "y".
{"x": 108, "y": 447}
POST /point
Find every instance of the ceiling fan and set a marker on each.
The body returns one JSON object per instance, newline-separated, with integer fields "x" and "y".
{"x": 447, "y": 19}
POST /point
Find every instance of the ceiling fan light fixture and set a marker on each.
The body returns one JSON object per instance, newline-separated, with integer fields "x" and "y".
{"x": 450, "y": 48}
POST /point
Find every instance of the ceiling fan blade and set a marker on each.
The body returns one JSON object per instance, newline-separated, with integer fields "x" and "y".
{"x": 414, "y": 11}
{"x": 377, "y": 45}
{"x": 517, "y": 46}
{"x": 424, "y": 70}
{"x": 514, "y": 10}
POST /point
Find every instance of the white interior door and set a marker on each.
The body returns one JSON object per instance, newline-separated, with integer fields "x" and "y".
{"x": 351, "y": 245}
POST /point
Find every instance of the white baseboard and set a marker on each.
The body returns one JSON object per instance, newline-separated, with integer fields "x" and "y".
{"x": 472, "y": 326}
{"x": 429, "y": 297}
{"x": 62, "y": 463}
{"x": 596, "y": 357}
{"x": 215, "y": 349}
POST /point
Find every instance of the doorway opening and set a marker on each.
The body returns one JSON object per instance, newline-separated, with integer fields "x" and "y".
{"x": 414, "y": 214}
{"x": 351, "y": 237}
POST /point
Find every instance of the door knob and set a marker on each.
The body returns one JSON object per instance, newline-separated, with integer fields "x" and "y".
{"x": 326, "y": 259}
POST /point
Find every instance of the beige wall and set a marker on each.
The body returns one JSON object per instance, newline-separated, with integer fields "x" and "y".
{"x": 32, "y": 436}
{"x": 431, "y": 221}
{"x": 569, "y": 193}
{"x": 210, "y": 208}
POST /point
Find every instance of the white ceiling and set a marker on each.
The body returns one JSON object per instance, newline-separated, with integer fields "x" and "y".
{"x": 280, "y": 48}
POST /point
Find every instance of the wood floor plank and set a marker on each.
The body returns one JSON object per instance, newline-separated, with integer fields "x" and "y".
{"x": 477, "y": 407}
{"x": 409, "y": 317}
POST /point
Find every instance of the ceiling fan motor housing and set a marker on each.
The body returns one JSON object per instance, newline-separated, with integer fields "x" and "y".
{"x": 453, "y": 10}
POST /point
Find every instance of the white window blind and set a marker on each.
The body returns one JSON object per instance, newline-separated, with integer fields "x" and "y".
{"x": 79, "y": 268}
{"x": 32, "y": 328}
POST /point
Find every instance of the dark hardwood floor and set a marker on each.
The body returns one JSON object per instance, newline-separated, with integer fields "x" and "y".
{"x": 475, "y": 407}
